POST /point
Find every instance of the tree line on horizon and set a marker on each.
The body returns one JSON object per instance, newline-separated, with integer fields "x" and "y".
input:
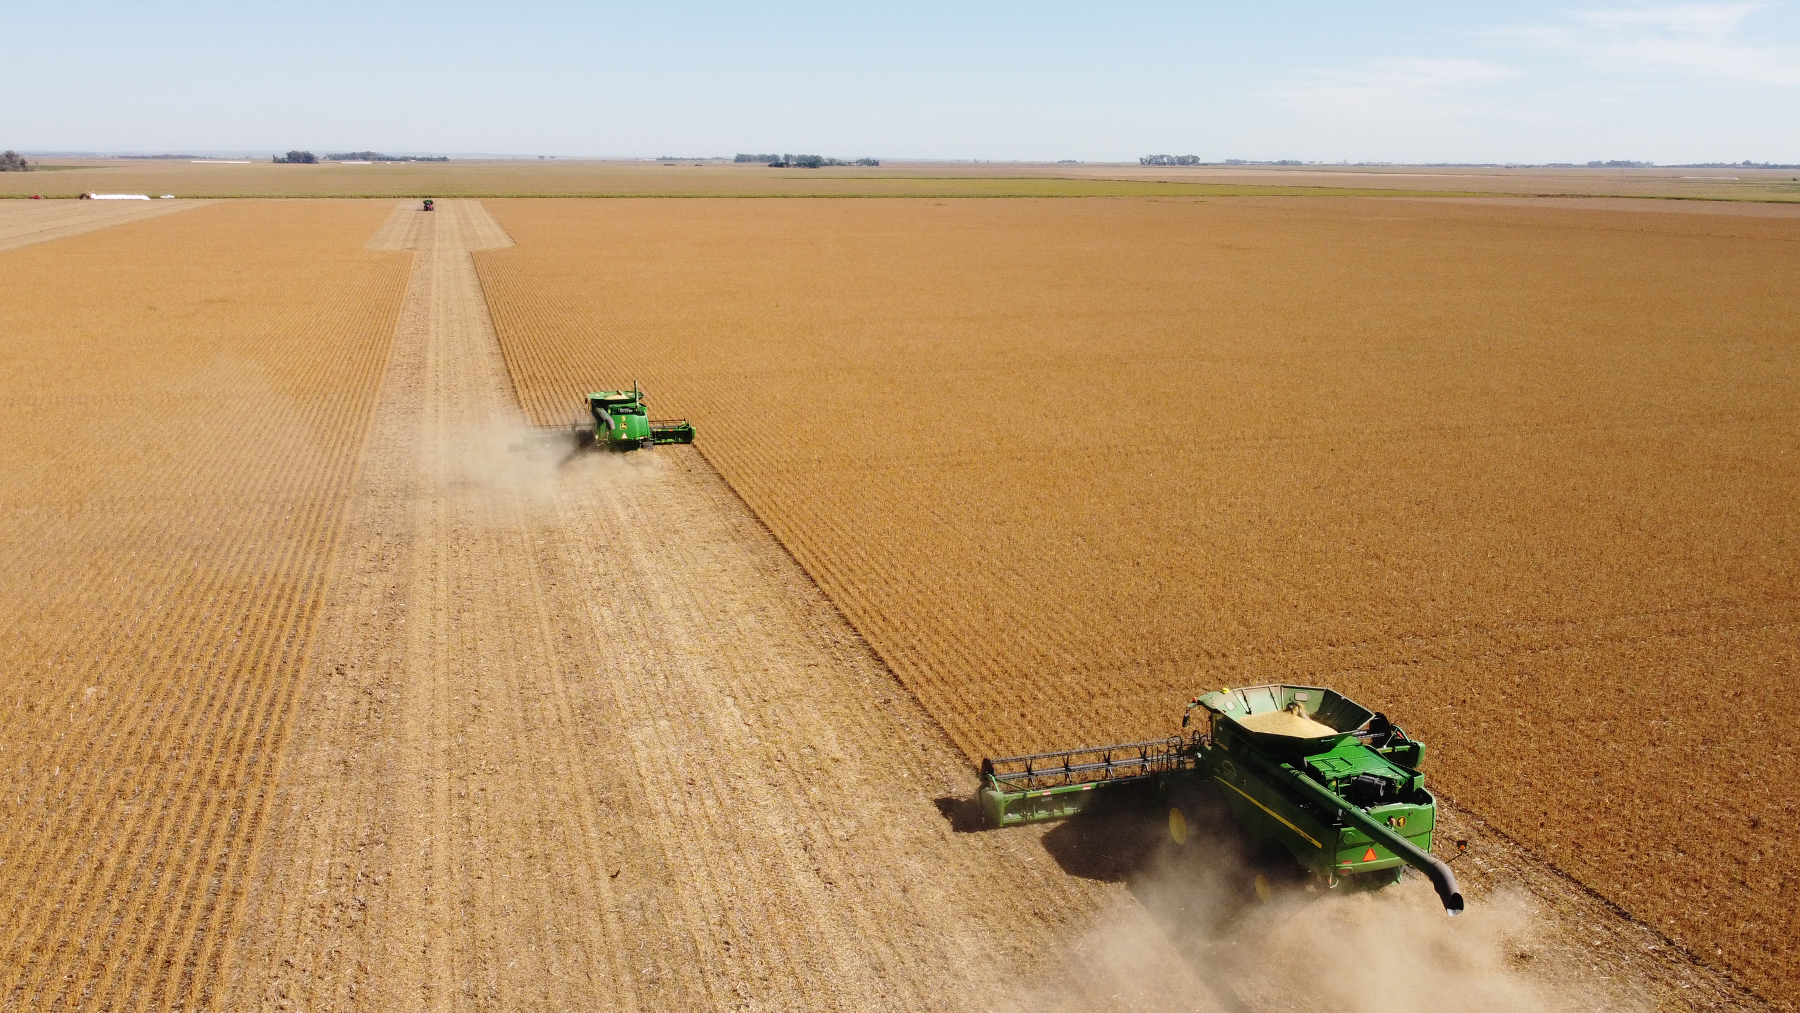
{"x": 12, "y": 161}
{"x": 376, "y": 156}
{"x": 308, "y": 158}
{"x": 803, "y": 161}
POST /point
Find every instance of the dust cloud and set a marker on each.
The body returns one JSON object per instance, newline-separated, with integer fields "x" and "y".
{"x": 1360, "y": 952}
{"x": 507, "y": 461}
{"x": 1196, "y": 935}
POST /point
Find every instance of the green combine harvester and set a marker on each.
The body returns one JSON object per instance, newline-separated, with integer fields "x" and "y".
{"x": 1334, "y": 784}
{"x": 617, "y": 421}
{"x": 621, "y": 423}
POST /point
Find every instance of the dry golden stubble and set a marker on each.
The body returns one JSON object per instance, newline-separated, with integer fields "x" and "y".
{"x": 185, "y": 399}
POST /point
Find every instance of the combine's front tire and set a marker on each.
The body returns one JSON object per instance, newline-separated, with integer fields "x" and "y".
{"x": 1184, "y": 810}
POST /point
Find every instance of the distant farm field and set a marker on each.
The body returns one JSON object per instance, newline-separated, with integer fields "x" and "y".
{"x": 1524, "y": 478}
{"x": 638, "y": 178}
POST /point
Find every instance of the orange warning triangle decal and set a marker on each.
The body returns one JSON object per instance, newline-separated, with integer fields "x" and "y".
{"x": 1369, "y": 855}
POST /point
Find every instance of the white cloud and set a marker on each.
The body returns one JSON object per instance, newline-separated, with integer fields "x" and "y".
{"x": 1391, "y": 86}
{"x": 1702, "y": 39}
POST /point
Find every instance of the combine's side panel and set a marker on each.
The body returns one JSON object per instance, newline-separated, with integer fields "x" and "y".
{"x": 1267, "y": 813}
{"x": 634, "y": 430}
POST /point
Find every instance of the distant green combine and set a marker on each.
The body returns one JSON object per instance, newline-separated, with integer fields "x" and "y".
{"x": 621, "y": 422}
{"x": 618, "y": 421}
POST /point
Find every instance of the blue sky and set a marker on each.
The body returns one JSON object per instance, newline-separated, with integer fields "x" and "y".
{"x": 1000, "y": 80}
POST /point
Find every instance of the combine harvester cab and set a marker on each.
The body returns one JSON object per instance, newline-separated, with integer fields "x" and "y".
{"x": 621, "y": 422}
{"x": 1337, "y": 786}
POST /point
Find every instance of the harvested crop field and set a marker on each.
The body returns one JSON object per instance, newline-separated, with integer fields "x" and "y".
{"x": 24, "y": 222}
{"x": 317, "y": 694}
{"x": 1520, "y": 476}
{"x": 185, "y": 406}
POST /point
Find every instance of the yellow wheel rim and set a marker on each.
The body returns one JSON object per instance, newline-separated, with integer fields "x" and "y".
{"x": 1177, "y": 826}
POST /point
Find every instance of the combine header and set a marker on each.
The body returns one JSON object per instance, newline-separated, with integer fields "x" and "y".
{"x": 1337, "y": 786}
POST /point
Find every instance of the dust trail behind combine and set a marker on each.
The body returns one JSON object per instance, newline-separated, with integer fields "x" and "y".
{"x": 585, "y": 737}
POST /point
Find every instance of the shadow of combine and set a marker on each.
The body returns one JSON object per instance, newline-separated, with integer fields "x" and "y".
{"x": 1215, "y": 898}
{"x": 962, "y": 812}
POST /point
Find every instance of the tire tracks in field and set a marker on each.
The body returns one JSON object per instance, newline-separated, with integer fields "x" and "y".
{"x": 586, "y": 737}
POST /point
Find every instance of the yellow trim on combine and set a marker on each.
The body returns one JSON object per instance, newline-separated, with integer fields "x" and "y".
{"x": 1271, "y": 812}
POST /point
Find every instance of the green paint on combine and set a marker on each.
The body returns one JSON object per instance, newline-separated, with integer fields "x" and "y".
{"x": 1337, "y": 786}
{"x": 622, "y": 423}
